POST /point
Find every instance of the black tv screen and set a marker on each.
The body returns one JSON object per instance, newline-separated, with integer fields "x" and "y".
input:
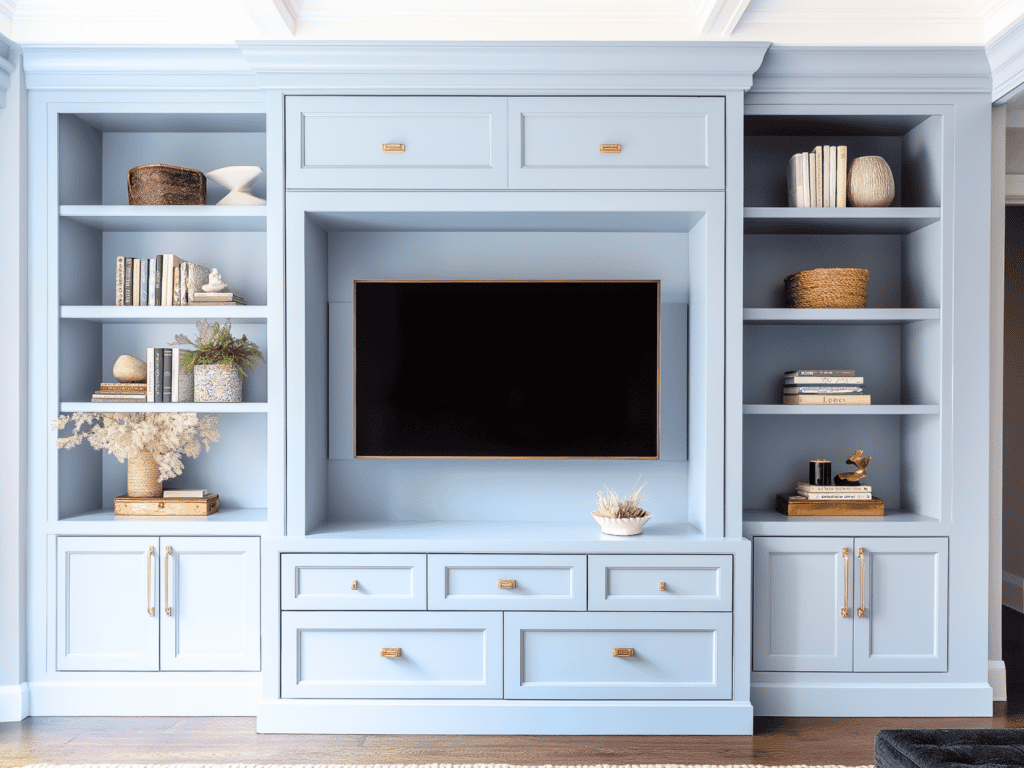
{"x": 487, "y": 369}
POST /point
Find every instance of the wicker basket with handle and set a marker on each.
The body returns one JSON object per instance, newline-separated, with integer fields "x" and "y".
{"x": 160, "y": 184}
{"x": 831, "y": 288}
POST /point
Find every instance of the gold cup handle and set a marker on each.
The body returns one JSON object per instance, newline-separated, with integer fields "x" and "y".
{"x": 860, "y": 610}
{"x": 149, "y": 581}
{"x": 167, "y": 581}
{"x": 623, "y": 652}
{"x": 391, "y": 653}
{"x": 845, "y": 612}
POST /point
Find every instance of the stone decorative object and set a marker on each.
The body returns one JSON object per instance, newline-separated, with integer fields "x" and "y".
{"x": 129, "y": 369}
{"x": 217, "y": 384}
{"x": 869, "y": 183}
{"x": 239, "y": 179}
{"x": 860, "y": 461}
{"x": 215, "y": 284}
{"x": 621, "y": 526}
{"x": 144, "y": 476}
{"x": 160, "y": 184}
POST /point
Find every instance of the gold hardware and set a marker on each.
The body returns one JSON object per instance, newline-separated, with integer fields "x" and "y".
{"x": 391, "y": 653}
{"x": 149, "y": 581}
{"x": 160, "y": 505}
{"x": 661, "y": 586}
{"x": 845, "y": 613}
{"x": 355, "y": 584}
{"x": 860, "y": 610}
{"x": 610, "y": 149}
{"x": 506, "y": 583}
{"x": 394, "y": 147}
{"x": 167, "y": 582}
{"x": 617, "y": 652}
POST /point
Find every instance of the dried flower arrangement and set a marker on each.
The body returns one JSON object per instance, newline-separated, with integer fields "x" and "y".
{"x": 165, "y": 436}
{"x": 214, "y": 345}
{"x": 612, "y": 506}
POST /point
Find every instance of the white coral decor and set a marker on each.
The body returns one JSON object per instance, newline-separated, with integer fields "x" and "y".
{"x": 621, "y": 516}
{"x": 166, "y": 436}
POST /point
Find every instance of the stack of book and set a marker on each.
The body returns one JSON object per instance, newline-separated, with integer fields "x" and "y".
{"x": 203, "y": 299}
{"x": 824, "y": 387}
{"x": 118, "y": 392}
{"x": 162, "y": 368}
{"x": 817, "y": 179}
{"x": 163, "y": 281}
{"x": 830, "y": 500}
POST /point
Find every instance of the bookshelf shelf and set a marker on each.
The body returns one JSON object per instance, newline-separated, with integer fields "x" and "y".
{"x": 230, "y": 521}
{"x": 129, "y": 315}
{"x": 75, "y": 407}
{"x": 169, "y": 218}
{"x": 767, "y": 522}
{"x": 764, "y": 316}
{"x": 837, "y": 221}
{"x": 839, "y": 410}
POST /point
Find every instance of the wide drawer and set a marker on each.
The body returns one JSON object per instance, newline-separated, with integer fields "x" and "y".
{"x": 507, "y": 582}
{"x": 382, "y": 655}
{"x": 318, "y": 582}
{"x": 660, "y": 583}
{"x": 618, "y": 656}
{"x": 671, "y": 142}
{"x": 396, "y": 142}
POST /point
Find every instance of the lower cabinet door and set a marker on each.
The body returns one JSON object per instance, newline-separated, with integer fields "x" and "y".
{"x": 390, "y": 655}
{"x": 107, "y": 603}
{"x": 618, "y": 655}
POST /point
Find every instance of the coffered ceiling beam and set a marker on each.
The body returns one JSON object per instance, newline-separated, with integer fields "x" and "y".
{"x": 718, "y": 17}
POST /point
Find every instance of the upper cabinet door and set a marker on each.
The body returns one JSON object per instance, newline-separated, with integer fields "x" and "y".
{"x": 107, "y": 603}
{"x": 396, "y": 142}
{"x": 801, "y": 585}
{"x": 210, "y": 603}
{"x": 617, "y": 142}
{"x": 902, "y": 584}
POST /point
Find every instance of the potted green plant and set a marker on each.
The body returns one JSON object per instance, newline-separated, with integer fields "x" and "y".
{"x": 218, "y": 362}
{"x": 621, "y": 516}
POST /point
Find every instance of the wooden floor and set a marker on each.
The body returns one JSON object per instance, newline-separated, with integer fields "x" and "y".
{"x": 776, "y": 741}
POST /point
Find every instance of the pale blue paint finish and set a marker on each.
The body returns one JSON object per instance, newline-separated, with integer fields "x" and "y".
{"x": 632, "y": 582}
{"x": 177, "y": 218}
{"x": 323, "y": 582}
{"x": 338, "y": 142}
{"x": 570, "y": 656}
{"x": 666, "y": 143}
{"x": 760, "y": 220}
{"x": 334, "y": 654}
{"x": 542, "y": 582}
{"x": 897, "y": 316}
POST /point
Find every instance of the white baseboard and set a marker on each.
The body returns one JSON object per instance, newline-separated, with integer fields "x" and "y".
{"x": 156, "y": 699}
{"x": 997, "y": 679}
{"x": 13, "y": 703}
{"x": 1013, "y": 591}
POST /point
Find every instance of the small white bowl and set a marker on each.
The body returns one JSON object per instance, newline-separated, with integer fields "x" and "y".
{"x": 621, "y": 526}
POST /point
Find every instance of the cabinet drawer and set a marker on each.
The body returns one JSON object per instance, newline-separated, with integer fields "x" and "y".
{"x": 340, "y": 654}
{"x": 633, "y": 583}
{"x": 507, "y": 582}
{"x": 396, "y": 142}
{"x": 572, "y": 656}
{"x": 360, "y": 582}
{"x": 664, "y": 142}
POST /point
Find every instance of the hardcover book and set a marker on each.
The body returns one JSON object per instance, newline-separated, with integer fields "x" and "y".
{"x": 820, "y": 390}
{"x": 841, "y": 176}
{"x": 144, "y": 284}
{"x": 833, "y": 488}
{"x": 826, "y": 399}
{"x": 136, "y": 282}
{"x": 119, "y": 286}
{"x": 821, "y": 372}
{"x": 167, "y": 374}
{"x": 832, "y": 496}
{"x": 790, "y": 380}
{"x": 798, "y": 505}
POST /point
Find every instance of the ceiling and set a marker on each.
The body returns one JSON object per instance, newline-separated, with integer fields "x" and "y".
{"x": 797, "y": 22}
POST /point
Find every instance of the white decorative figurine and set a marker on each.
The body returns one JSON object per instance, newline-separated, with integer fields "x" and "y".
{"x": 239, "y": 179}
{"x": 216, "y": 285}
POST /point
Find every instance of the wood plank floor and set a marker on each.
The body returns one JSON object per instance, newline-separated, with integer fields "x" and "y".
{"x": 776, "y": 741}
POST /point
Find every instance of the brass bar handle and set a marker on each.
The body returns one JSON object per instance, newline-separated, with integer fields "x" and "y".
{"x": 394, "y": 147}
{"x": 149, "y": 581}
{"x": 845, "y": 613}
{"x": 391, "y": 653}
{"x": 610, "y": 149}
{"x": 355, "y": 584}
{"x": 661, "y": 586}
{"x": 860, "y": 611}
{"x": 506, "y": 583}
{"x": 167, "y": 581}
{"x": 623, "y": 652}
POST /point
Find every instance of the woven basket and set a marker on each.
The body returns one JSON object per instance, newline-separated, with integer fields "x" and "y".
{"x": 144, "y": 476}
{"x": 827, "y": 289}
{"x": 160, "y": 184}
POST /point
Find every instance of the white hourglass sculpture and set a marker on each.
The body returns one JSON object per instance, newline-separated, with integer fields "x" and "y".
{"x": 239, "y": 179}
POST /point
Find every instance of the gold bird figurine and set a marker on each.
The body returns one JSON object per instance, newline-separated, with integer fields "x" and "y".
{"x": 860, "y": 461}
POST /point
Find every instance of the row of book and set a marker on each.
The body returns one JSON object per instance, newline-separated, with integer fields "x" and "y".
{"x": 163, "y": 281}
{"x": 824, "y": 387}
{"x": 817, "y": 179}
{"x": 830, "y": 500}
{"x": 161, "y": 386}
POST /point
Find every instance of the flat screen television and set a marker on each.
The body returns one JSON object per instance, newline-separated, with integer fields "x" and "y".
{"x": 507, "y": 369}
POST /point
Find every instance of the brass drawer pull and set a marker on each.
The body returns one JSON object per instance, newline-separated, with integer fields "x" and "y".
{"x": 149, "y": 581}
{"x": 355, "y": 584}
{"x": 860, "y": 610}
{"x": 506, "y": 583}
{"x": 394, "y": 147}
{"x": 845, "y": 612}
{"x": 623, "y": 652}
{"x": 167, "y": 581}
{"x": 661, "y": 586}
{"x": 610, "y": 149}
{"x": 391, "y": 653}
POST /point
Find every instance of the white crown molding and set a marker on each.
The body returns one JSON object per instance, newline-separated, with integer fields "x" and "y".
{"x": 999, "y": 15}
{"x": 102, "y": 67}
{"x": 873, "y": 69}
{"x": 7, "y": 10}
{"x": 275, "y": 18}
{"x": 9, "y": 52}
{"x": 719, "y": 17}
{"x": 1006, "y": 57}
{"x": 534, "y": 67}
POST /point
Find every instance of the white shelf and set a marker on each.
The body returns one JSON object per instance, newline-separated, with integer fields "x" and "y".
{"x": 837, "y": 221}
{"x": 129, "y": 315}
{"x": 234, "y": 521}
{"x": 169, "y": 218}
{"x": 763, "y": 316}
{"x": 844, "y": 410}
{"x": 89, "y": 407}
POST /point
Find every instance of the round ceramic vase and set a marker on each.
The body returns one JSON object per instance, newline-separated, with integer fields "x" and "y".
{"x": 216, "y": 384}
{"x": 621, "y": 526}
{"x": 869, "y": 183}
